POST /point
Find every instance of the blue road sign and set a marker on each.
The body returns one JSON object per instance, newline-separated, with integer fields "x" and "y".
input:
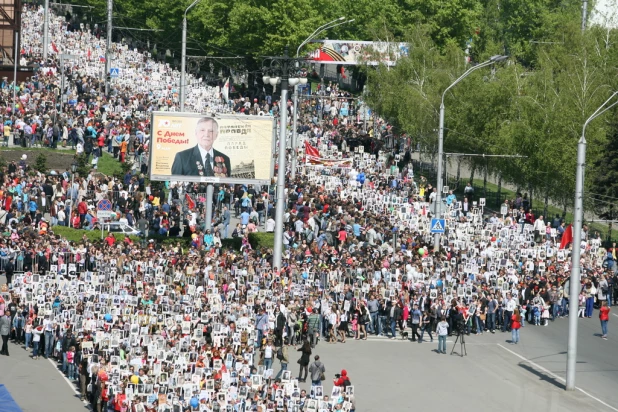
{"x": 437, "y": 225}
{"x": 104, "y": 205}
{"x": 114, "y": 72}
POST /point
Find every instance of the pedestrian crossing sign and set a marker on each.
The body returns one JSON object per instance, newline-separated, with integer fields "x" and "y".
{"x": 437, "y": 225}
{"x": 114, "y": 72}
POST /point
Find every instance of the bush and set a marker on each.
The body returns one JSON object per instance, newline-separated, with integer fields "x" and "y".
{"x": 76, "y": 235}
{"x": 259, "y": 240}
{"x": 40, "y": 163}
{"x": 185, "y": 242}
{"x": 83, "y": 167}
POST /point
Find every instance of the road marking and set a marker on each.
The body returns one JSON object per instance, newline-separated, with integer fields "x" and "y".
{"x": 553, "y": 375}
{"x": 615, "y": 315}
{"x": 71, "y": 384}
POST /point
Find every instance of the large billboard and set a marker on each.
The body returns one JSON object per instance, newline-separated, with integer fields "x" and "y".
{"x": 358, "y": 52}
{"x": 190, "y": 147}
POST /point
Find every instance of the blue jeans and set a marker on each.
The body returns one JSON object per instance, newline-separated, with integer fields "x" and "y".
{"x": 589, "y": 306}
{"x": 35, "y": 349}
{"x": 71, "y": 368}
{"x": 260, "y": 336}
{"x": 604, "y": 327}
{"x": 28, "y": 339}
{"x": 375, "y": 323}
{"x": 49, "y": 344}
{"x": 565, "y": 306}
{"x": 537, "y": 318}
{"x": 65, "y": 364}
{"x": 554, "y": 310}
{"x": 479, "y": 324}
{"x": 268, "y": 363}
{"x": 515, "y": 335}
{"x": 442, "y": 343}
{"x": 284, "y": 367}
{"x": 491, "y": 321}
{"x": 382, "y": 325}
{"x": 394, "y": 328}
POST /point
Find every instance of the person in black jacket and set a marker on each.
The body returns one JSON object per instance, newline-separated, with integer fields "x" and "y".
{"x": 9, "y": 269}
{"x": 279, "y": 326}
{"x": 68, "y": 340}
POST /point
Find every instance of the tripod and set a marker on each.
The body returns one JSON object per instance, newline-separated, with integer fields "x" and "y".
{"x": 461, "y": 337}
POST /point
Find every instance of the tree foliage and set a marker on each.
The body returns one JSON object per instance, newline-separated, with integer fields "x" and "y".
{"x": 533, "y": 106}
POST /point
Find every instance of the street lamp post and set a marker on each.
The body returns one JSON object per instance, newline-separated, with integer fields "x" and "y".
{"x": 438, "y": 201}
{"x": 281, "y": 69}
{"x": 73, "y": 170}
{"x": 183, "y": 62}
{"x": 578, "y": 217}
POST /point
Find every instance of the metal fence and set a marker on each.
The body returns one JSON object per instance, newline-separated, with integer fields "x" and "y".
{"x": 62, "y": 262}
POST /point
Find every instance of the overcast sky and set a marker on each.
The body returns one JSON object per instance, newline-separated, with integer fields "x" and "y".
{"x": 605, "y": 13}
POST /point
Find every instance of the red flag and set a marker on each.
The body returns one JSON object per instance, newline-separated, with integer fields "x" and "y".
{"x": 311, "y": 151}
{"x": 343, "y": 73}
{"x": 54, "y": 48}
{"x": 89, "y": 53}
{"x": 567, "y": 237}
{"x": 190, "y": 202}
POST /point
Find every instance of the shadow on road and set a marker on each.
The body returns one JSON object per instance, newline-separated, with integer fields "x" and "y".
{"x": 542, "y": 375}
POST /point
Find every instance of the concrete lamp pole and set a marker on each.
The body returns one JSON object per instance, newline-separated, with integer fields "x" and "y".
{"x": 183, "y": 58}
{"x": 578, "y": 217}
{"x": 438, "y": 201}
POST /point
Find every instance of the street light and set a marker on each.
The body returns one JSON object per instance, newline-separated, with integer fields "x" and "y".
{"x": 73, "y": 170}
{"x": 280, "y": 69}
{"x": 183, "y": 62}
{"x": 578, "y": 217}
{"x": 303, "y": 80}
{"x": 438, "y": 209}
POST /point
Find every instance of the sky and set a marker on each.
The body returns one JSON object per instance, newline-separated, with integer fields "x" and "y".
{"x": 605, "y": 13}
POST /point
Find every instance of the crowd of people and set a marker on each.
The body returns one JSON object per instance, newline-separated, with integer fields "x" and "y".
{"x": 198, "y": 326}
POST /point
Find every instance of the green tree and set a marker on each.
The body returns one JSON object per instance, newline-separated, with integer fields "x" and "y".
{"x": 40, "y": 163}
{"x": 603, "y": 190}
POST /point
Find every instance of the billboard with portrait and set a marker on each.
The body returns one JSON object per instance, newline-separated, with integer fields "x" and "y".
{"x": 191, "y": 147}
{"x": 358, "y": 52}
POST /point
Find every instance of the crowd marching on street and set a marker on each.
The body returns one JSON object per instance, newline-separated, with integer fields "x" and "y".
{"x": 196, "y": 325}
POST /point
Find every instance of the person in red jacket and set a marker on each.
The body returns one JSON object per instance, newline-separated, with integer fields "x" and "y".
{"x": 76, "y": 222}
{"x": 110, "y": 239}
{"x": 342, "y": 380}
{"x": 604, "y": 317}
{"x": 82, "y": 209}
{"x": 515, "y": 325}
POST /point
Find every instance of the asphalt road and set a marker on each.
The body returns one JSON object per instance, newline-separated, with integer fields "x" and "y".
{"x": 396, "y": 375}
{"x": 36, "y": 385}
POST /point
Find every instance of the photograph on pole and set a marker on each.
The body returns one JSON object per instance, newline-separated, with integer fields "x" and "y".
{"x": 193, "y": 147}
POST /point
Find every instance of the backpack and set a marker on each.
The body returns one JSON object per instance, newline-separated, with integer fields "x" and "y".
{"x": 280, "y": 353}
{"x": 346, "y": 382}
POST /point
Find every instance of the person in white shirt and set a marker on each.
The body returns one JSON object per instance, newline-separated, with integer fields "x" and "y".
{"x": 270, "y": 225}
{"x": 539, "y": 229}
{"x": 509, "y": 307}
